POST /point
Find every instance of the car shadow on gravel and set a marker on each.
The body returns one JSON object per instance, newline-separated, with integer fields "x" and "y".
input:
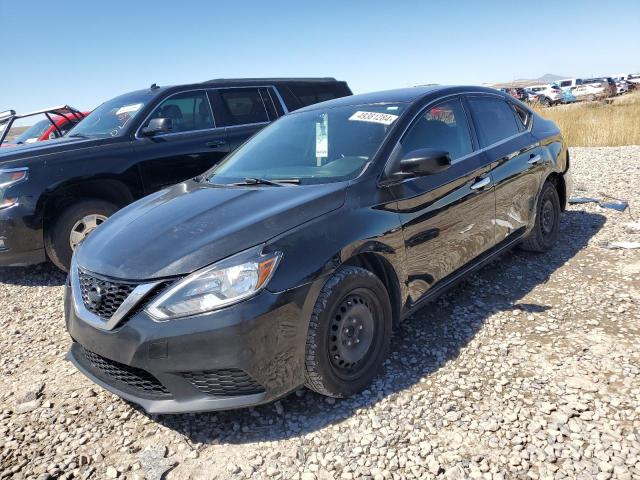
{"x": 41, "y": 275}
{"x": 420, "y": 346}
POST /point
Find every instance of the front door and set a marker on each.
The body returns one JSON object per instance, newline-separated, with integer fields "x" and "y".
{"x": 447, "y": 217}
{"x": 191, "y": 147}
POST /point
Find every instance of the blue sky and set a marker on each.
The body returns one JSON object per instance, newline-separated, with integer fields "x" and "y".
{"x": 82, "y": 52}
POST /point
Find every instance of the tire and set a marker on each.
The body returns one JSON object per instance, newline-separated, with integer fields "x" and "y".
{"x": 591, "y": 98}
{"x": 545, "y": 231}
{"x": 351, "y": 323}
{"x": 58, "y": 235}
{"x": 546, "y": 102}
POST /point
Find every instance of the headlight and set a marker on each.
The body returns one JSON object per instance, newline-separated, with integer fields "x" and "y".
{"x": 11, "y": 176}
{"x": 219, "y": 285}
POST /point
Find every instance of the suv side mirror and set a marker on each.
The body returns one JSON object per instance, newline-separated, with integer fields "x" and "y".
{"x": 425, "y": 161}
{"x": 157, "y": 125}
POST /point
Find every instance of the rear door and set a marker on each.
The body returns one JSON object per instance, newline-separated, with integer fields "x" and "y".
{"x": 243, "y": 111}
{"x": 517, "y": 160}
{"x": 447, "y": 217}
{"x": 194, "y": 144}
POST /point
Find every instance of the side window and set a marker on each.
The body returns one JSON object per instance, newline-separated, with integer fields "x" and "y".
{"x": 494, "y": 119}
{"x": 311, "y": 94}
{"x": 523, "y": 116}
{"x": 188, "y": 111}
{"x": 244, "y": 105}
{"x": 443, "y": 127}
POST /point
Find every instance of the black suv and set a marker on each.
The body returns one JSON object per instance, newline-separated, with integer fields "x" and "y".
{"x": 287, "y": 263}
{"x": 53, "y": 195}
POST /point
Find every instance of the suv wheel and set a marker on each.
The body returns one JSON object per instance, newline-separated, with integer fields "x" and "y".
{"x": 349, "y": 333}
{"x": 72, "y": 226}
{"x": 545, "y": 231}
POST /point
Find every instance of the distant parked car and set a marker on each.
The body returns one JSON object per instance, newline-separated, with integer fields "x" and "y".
{"x": 632, "y": 78}
{"x": 590, "y": 92}
{"x": 516, "y": 92}
{"x": 622, "y": 86}
{"x": 569, "y": 83}
{"x": 547, "y": 94}
{"x": 607, "y": 84}
{"x": 57, "y": 122}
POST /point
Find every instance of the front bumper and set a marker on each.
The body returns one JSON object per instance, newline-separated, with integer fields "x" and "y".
{"x": 243, "y": 355}
{"x": 21, "y": 238}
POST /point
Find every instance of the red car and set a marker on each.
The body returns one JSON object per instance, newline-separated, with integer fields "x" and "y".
{"x": 58, "y": 121}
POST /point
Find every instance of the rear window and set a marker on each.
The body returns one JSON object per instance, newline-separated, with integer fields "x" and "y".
{"x": 494, "y": 119}
{"x": 311, "y": 94}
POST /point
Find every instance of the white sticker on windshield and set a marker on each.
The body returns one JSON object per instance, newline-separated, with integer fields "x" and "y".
{"x": 129, "y": 108}
{"x": 322, "y": 139}
{"x": 374, "y": 117}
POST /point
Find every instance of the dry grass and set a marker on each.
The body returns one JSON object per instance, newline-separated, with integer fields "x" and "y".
{"x": 598, "y": 124}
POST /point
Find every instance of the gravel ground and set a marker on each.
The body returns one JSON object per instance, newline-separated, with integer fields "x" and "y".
{"x": 527, "y": 370}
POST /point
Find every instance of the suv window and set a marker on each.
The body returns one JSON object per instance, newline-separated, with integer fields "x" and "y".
{"x": 310, "y": 94}
{"x": 565, "y": 83}
{"x": 494, "y": 119}
{"x": 244, "y": 105}
{"x": 443, "y": 127}
{"x": 188, "y": 111}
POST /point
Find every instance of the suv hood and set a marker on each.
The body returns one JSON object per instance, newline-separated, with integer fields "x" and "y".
{"x": 191, "y": 225}
{"x": 12, "y": 155}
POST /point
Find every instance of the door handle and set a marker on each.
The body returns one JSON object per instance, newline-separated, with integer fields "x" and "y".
{"x": 535, "y": 159}
{"x": 480, "y": 184}
{"x": 219, "y": 144}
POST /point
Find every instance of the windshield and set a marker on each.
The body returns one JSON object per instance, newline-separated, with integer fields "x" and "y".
{"x": 33, "y": 133}
{"x": 110, "y": 118}
{"x": 317, "y": 146}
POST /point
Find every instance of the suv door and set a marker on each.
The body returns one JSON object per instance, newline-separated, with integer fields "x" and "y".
{"x": 447, "y": 217}
{"x": 517, "y": 161}
{"x": 243, "y": 111}
{"x": 193, "y": 145}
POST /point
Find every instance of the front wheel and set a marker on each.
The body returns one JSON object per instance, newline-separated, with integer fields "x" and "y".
{"x": 545, "y": 231}
{"x": 72, "y": 226}
{"x": 349, "y": 333}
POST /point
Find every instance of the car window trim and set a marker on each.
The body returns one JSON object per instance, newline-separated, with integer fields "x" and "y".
{"x": 165, "y": 135}
{"x": 383, "y": 178}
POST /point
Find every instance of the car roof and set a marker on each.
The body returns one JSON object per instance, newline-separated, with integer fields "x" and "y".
{"x": 400, "y": 95}
{"x": 243, "y": 82}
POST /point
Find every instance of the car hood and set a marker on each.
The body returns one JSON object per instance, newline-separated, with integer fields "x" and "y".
{"x": 27, "y": 151}
{"x": 191, "y": 225}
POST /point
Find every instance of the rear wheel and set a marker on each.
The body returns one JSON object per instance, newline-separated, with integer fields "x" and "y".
{"x": 349, "y": 333}
{"x": 545, "y": 101}
{"x": 545, "y": 231}
{"x": 72, "y": 226}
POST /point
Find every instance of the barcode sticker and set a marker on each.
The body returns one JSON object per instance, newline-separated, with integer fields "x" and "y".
{"x": 374, "y": 117}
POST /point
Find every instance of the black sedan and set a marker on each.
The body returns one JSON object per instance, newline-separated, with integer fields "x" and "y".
{"x": 289, "y": 262}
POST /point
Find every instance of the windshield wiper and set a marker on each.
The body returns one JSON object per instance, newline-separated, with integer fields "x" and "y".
{"x": 78, "y": 135}
{"x": 264, "y": 181}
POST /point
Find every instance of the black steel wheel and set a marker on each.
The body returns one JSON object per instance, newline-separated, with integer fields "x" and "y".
{"x": 544, "y": 234}
{"x": 349, "y": 333}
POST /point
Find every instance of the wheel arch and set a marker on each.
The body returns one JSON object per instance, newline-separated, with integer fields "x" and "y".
{"x": 558, "y": 182}
{"x": 384, "y": 270}
{"x": 107, "y": 189}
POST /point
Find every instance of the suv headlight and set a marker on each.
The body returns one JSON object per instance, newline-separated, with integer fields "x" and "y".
{"x": 219, "y": 285}
{"x": 8, "y": 178}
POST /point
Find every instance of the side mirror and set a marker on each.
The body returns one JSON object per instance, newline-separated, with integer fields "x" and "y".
{"x": 425, "y": 161}
{"x": 157, "y": 125}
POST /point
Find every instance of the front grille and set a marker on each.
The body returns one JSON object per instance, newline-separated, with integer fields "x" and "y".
{"x": 110, "y": 294}
{"x": 135, "y": 379}
{"x": 228, "y": 382}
